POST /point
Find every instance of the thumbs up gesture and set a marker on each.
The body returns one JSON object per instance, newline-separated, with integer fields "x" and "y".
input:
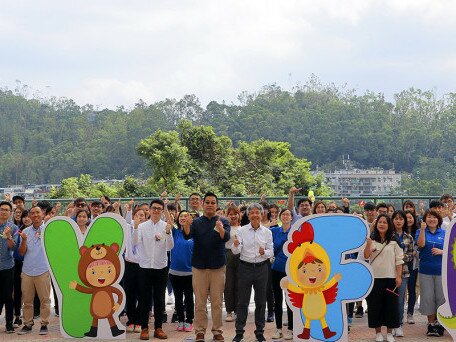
{"x": 236, "y": 240}
{"x": 218, "y": 225}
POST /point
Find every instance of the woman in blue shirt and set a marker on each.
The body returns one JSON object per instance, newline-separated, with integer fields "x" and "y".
{"x": 279, "y": 237}
{"x": 430, "y": 240}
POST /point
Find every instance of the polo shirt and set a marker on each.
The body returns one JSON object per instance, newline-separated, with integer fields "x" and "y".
{"x": 209, "y": 248}
{"x": 431, "y": 264}
{"x": 35, "y": 263}
{"x": 279, "y": 237}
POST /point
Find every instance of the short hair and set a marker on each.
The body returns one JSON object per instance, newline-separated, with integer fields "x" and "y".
{"x": 195, "y": 194}
{"x": 284, "y": 210}
{"x": 408, "y": 203}
{"x": 435, "y": 204}
{"x": 136, "y": 211}
{"x": 231, "y": 208}
{"x": 369, "y": 206}
{"x": 18, "y": 197}
{"x": 158, "y": 201}
{"x": 317, "y": 203}
{"x": 255, "y": 206}
{"x": 273, "y": 205}
{"x": 83, "y": 211}
{"x": 403, "y": 215}
{"x": 7, "y": 203}
{"x": 48, "y": 210}
{"x": 97, "y": 203}
{"x": 381, "y": 205}
{"x": 306, "y": 199}
{"x": 210, "y": 194}
{"x": 433, "y": 212}
{"x": 446, "y": 197}
{"x": 171, "y": 206}
{"x": 79, "y": 200}
{"x": 44, "y": 205}
{"x": 265, "y": 205}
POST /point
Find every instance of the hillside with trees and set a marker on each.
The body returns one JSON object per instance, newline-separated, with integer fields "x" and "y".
{"x": 47, "y": 140}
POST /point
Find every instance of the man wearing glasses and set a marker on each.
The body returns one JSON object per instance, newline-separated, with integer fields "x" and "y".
{"x": 153, "y": 239}
{"x": 7, "y": 243}
{"x": 209, "y": 233}
{"x": 195, "y": 203}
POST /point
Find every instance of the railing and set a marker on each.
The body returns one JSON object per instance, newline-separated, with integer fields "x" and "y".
{"x": 397, "y": 201}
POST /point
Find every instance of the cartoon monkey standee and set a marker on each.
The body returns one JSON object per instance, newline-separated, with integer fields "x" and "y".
{"x": 309, "y": 268}
{"x": 99, "y": 268}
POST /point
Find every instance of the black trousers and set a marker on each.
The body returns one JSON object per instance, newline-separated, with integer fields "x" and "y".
{"x": 383, "y": 306}
{"x": 17, "y": 287}
{"x": 182, "y": 286}
{"x": 132, "y": 280}
{"x": 155, "y": 280}
{"x": 257, "y": 277}
{"x": 6, "y": 292}
{"x": 231, "y": 281}
{"x": 278, "y": 296}
{"x": 269, "y": 291}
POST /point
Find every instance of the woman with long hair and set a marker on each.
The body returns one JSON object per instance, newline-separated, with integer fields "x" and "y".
{"x": 406, "y": 242}
{"x": 180, "y": 272}
{"x": 233, "y": 215}
{"x": 412, "y": 227}
{"x": 279, "y": 238}
{"x": 386, "y": 258}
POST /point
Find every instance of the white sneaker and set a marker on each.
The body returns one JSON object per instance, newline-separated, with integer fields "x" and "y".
{"x": 410, "y": 319}
{"x": 399, "y": 332}
{"x": 289, "y": 335}
{"x": 277, "y": 335}
{"x": 170, "y": 299}
{"x": 390, "y": 338}
{"x": 379, "y": 337}
{"x": 393, "y": 332}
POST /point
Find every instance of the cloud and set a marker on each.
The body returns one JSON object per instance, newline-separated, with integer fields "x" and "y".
{"x": 112, "y": 53}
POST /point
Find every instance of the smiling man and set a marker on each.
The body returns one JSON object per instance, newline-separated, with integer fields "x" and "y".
{"x": 254, "y": 244}
{"x": 35, "y": 273}
{"x": 209, "y": 233}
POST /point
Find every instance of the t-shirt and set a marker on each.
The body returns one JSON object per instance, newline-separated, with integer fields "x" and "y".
{"x": 431, "y": 264}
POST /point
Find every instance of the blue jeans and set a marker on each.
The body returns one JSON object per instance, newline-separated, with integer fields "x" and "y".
{"x": 402, "y": 299}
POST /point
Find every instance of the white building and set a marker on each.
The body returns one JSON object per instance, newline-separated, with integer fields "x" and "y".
{"x": 356, "y": 182}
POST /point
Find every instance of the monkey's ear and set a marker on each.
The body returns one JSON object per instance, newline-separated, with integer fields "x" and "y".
{"x": 115, "y": 247}
{"x": 83, "y": 249}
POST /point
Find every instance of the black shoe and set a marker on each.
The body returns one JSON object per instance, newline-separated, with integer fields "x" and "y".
{"x": 440, "y": 330}
{"x": 359, "y": 312}
{"x": 238, "y": 338}
{"x": 44, "y": 330}
{"x": 174, "y": 319}
{"x": 116, "y": 331}
{"x": 9, "y": 328}
{"x": 25, "y": 330}
{"x": 260, "y": 338}
{"x": 17, "y": 322}
{"x": 431, "y": 330}
{"x": 270, "y": 318}
{"x": 92, "y": 332}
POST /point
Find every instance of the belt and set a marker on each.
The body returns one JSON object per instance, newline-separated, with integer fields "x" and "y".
{"x": 253, "y": 264}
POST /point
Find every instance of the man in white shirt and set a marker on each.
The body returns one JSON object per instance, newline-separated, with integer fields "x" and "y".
{"x": 254, "y": 244}
{"x": 447, "y": 213}
{"x": 153, "y": 239}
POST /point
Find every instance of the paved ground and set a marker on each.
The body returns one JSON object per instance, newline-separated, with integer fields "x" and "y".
{"x": 359, "y": 331}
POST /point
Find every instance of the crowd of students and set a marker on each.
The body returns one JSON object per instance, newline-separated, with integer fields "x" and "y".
{"x": 219, "y": 254}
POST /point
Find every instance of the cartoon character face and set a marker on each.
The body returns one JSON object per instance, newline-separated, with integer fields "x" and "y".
{"x": 99, "y": 252}
{"x": 100, "y": 274}
{"x": 312, "y": 274}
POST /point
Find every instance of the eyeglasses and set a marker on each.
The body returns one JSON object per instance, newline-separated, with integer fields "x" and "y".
{"x": 156, "y": 208}
{"x": 5, "y": 210}
{"x": 80, "y": 205}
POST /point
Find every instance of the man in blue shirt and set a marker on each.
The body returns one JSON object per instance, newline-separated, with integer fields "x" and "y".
{"x": 7, "y": 243}
{"x": 209, "y": 233}
{"x": 35, "y": 273}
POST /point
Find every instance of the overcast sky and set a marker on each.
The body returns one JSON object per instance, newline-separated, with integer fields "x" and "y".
{"x": 111, "y": 53}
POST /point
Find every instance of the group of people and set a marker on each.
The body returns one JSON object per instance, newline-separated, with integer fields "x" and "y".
{"x": 221, "y": 254}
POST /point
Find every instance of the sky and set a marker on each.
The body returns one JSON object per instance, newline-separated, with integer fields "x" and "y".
{"x": 112, "y": 53}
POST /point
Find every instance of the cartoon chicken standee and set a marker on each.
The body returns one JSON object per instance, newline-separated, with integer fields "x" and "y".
{"x": 309, "y": 268}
